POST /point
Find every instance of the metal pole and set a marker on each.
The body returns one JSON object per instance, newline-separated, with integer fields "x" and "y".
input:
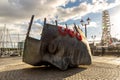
{"x": 18, "y": 49}
{"x": 44, "y": 21}
{"x": 56, "y": 23}
{"x": 86, "y": 30}
{"x": 66, "y": 26}
{"x": 30, "y": 24}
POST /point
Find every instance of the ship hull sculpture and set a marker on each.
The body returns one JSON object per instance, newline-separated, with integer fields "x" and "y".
{"x": 60, "y": 47}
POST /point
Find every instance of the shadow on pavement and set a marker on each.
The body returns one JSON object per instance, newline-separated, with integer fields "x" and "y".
{"x": 39, "y": 73}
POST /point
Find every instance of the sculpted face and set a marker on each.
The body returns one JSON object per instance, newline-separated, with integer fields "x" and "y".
{"x": 58, "y": 46}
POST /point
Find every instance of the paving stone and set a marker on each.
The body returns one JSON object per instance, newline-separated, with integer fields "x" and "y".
{"x": 22, "y": 71}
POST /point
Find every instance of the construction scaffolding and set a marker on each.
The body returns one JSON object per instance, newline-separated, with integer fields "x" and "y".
{"x": 106, "y": 28}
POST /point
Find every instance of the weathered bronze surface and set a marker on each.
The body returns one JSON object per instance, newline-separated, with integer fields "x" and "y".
{"x": 54, "y": 48}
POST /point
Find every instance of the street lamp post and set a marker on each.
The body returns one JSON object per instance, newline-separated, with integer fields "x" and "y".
{"x": 85, "y": 24}
{"x": 93, "y": 37}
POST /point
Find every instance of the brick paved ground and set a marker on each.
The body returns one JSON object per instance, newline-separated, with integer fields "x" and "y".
{"x": 103, "y": 68}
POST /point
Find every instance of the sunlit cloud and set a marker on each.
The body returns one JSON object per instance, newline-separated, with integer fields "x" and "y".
{"x": 115, "y": 24}
{"x": 92, "y": 24}
{"x": 16, "y": 13}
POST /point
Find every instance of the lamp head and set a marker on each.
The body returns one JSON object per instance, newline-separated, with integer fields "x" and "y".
{"x": 82, "y": 22}
{"x": 88, "y": 20}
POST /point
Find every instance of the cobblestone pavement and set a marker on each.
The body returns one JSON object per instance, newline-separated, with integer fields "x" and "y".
{"x": 101, "y": 69}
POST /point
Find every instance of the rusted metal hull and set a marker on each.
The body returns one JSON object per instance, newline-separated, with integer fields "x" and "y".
{"x": 56, "y": 49}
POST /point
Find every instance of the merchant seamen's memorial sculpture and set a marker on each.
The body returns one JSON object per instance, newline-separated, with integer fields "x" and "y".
{"x": 60, "y": 47}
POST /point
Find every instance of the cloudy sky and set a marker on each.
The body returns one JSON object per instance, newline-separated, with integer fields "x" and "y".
{"x": 16, "y": 15}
